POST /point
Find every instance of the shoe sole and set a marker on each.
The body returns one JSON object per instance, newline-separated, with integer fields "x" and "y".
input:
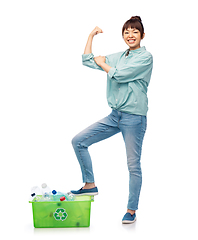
{"x": 128, "y": 221}
{"x": 86, "y": 194}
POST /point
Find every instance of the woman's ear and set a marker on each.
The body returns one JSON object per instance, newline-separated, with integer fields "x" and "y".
{"x": 143, "y": 35}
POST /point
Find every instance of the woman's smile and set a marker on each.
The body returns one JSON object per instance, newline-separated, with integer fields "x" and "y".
{"x": 131, "y": 41}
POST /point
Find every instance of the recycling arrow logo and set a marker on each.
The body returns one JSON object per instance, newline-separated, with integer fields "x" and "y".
{"x": 60, "y": 214}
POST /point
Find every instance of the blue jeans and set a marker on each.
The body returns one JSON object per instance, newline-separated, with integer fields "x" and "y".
{"x": 133, "y": 128}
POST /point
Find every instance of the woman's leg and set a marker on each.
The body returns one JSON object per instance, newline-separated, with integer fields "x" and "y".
{"x": 95, "y": 133}
{"x": 133, "y": 128}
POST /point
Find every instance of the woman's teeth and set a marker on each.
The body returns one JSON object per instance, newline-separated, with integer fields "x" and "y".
{"x": 131, "y": 41}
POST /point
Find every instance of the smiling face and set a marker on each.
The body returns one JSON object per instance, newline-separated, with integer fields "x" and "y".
{"x": 132, "y": 38}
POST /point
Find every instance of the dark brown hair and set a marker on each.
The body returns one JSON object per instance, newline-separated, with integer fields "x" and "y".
{"x": 134, "y": 22}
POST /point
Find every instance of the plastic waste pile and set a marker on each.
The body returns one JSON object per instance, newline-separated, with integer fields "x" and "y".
{"x": 44, "y": 194}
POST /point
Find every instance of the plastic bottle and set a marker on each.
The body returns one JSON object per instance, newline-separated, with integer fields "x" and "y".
{"x": 35, "y": 198}
{"x": 46, "y": 192}
{"x": 35, "y": 194}
{"x": 71, "y": 197}
{"x": 67, "y": 197}
{"x": 57, "y": 195}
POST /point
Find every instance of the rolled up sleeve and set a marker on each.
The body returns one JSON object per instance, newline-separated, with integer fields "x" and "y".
{"x": 111, "y": 72}
{"x": 88, "y": 60}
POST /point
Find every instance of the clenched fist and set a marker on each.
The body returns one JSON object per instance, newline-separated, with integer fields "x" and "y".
{"x": 96, "y": 31}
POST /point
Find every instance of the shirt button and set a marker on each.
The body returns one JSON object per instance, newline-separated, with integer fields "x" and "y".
{"x": 116, "y": 100}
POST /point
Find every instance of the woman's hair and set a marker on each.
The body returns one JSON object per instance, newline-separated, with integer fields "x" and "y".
{"x": 134, "y": 22}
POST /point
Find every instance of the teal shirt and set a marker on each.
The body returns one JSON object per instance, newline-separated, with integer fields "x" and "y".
{"x": 127, "y": 80}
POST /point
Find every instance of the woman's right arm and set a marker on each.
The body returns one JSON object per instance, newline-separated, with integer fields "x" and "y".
{"x": 88, "y": 47}
{"x": 88, "y": 57}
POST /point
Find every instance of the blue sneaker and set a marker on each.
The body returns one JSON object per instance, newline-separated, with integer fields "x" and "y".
{"x": 89, "y": 192}
{"x": 128, "y": 218}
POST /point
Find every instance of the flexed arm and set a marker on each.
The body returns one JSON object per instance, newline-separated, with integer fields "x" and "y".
{"x": 100, "y": 60}
{"x": 88, "y": 47}
{"x": 88, "y": 57}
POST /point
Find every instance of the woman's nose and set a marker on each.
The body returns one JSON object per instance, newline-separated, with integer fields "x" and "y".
{"x": 130, "y": 34}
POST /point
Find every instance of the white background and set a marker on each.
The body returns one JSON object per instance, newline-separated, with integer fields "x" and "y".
{"x": 47, "y": 97}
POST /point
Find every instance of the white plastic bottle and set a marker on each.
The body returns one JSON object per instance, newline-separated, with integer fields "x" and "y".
{"x": 46, "y": 192}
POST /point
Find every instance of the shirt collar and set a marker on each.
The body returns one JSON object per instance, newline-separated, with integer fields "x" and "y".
{"x": 139, "y": 50}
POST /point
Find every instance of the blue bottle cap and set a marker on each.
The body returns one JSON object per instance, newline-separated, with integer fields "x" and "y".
{"x": 54, "y": 192}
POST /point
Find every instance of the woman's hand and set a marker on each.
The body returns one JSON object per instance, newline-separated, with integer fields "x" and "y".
{"x": 96, "y": 31}
{"x": 99, "y": 60}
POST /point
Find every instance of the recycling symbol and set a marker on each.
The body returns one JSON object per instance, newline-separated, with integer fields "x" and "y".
{"x": 60, "y": 214}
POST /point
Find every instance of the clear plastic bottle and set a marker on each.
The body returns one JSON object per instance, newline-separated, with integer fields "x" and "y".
{"x": 57, "y": 195}
{"x": 67, "y": 197}
{"x": 35, "y": 198}
{"x": 46, "y": 192}
{"x": 35, "y": 194}
{"x": 71, "y": 197}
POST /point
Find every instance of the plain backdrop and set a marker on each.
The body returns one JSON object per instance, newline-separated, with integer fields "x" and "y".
{"x": 47, "y": 96}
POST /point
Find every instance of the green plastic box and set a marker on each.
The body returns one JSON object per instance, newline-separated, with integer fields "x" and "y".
{"x": 57, "y": 214}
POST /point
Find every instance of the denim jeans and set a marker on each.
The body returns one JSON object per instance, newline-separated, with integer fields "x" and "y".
{"x": 133, "y": 128}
